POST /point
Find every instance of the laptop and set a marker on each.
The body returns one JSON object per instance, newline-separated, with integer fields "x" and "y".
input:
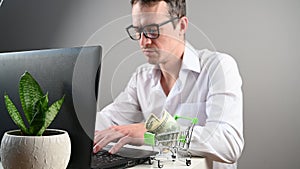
{"x": 124, "y": 158}
{"x": 73, "y": 72}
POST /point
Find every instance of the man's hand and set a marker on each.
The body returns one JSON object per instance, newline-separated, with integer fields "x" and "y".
{"x": 128, "y": 134}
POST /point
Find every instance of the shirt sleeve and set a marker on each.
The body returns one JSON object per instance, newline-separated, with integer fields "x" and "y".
{"x": 125, "y": 108}
{"x": 221, "y": 138}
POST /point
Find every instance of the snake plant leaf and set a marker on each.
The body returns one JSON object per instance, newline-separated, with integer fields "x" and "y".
{"x": 38, "y": 120}
{"x": 30, "y": 92}
{"x": 51, "y": 114}
{"x": 14, "y": 114}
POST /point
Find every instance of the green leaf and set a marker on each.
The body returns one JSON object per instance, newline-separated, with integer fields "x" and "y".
{"x": 30, "y": 92}
{"x": 51, "y": 114}
{"x": 41, "y": 104}
{"x": 14, "y": 114}
{"x": 38, "y": 120}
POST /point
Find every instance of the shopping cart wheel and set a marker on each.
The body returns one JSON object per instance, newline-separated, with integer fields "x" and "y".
{"x": 188, "y": 162}
{"x": 173, "y": 158}
{"x": 159, "y": 165}
{"x": 150, "y": 161}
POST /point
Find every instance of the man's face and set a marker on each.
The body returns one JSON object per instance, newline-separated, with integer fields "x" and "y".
{"x": 165, "y": 47}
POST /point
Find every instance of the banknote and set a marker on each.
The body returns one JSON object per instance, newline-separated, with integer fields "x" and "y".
{"x": 167, "y": 124}
{"x": 153, "y": 122}
{"x": 166, "y": 129}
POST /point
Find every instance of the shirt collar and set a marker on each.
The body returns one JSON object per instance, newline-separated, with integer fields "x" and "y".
{"x": 190, "y": 59}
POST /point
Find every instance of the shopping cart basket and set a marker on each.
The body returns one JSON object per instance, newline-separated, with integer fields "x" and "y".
{"x": 172, "y": 145}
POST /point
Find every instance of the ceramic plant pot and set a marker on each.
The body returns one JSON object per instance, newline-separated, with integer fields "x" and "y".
{"x": 50, "y": 151}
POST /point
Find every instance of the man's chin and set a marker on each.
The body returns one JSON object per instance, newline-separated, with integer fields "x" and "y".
{"x": 151, "y": 59}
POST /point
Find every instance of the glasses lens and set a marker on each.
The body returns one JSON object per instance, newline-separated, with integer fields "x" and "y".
{"x": 151, "y": 31}
{"x": 133, "y": 33}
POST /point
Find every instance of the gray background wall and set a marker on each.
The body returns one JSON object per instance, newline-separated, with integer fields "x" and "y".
{"x": 262, "y": 35}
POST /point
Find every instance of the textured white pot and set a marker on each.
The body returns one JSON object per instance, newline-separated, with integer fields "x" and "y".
{"x": 50, "y": 151}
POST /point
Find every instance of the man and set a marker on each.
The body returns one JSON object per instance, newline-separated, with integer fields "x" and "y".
{"x": 181, "y": 80}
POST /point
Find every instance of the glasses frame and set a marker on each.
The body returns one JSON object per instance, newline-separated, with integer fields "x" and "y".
{"x": 142, "y": 29}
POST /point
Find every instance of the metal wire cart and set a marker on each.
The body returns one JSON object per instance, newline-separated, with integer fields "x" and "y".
{"x": 172, "y": 145}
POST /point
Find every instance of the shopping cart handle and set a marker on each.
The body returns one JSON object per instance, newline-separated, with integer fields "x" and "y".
{"x": 193, "y": 120}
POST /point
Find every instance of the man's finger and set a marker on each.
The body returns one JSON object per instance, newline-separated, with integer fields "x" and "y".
{"x": 106, "y": 138}
{"x": 99, "y": 135}
{"x": 123, "y": 141}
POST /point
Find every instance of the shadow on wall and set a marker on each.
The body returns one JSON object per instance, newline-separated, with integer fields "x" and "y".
{"x": 30, "y": 24}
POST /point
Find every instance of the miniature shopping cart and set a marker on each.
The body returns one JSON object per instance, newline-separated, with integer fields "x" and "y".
{"x": 172, "y": 145}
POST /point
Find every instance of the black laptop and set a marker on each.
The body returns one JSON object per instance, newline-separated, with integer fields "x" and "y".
{"x": 126, "y": 157}
{"x": 73, "y": 72}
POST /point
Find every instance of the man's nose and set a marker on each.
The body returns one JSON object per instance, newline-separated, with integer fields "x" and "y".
{"x": 144, "y": 41}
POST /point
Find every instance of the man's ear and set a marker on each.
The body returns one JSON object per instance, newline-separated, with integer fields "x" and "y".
{"x": 183, "y": 25}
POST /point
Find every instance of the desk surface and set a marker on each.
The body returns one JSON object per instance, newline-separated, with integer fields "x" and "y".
{"x": 196, "y": 163}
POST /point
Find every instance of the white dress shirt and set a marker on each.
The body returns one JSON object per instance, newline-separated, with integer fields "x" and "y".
{"x": 208, "y": 87}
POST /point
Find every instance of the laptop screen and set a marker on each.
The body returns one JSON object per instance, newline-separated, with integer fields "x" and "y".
{"x": 73, "y": 72}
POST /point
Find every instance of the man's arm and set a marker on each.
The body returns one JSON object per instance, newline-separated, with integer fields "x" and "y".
{"x": 127, "y": 134}
{"x": 120, "y": 121}
{"x": 221, "y": 139}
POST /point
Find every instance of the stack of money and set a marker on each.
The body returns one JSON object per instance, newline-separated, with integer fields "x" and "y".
{"x": 166, "y": 129}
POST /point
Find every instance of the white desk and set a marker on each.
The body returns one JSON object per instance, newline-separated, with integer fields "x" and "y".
{"x": 197, "y": 163}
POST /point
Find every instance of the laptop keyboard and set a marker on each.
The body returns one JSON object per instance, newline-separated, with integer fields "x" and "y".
{"x": 104, "y": 160}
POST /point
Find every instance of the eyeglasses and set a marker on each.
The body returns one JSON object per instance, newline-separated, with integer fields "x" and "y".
{"x": 149, "y": 31}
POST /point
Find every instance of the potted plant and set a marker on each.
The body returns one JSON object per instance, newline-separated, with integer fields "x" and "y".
{"x": 33, "y": 145}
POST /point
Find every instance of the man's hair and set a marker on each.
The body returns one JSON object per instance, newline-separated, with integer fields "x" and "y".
{"x": 176, "y": 7}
